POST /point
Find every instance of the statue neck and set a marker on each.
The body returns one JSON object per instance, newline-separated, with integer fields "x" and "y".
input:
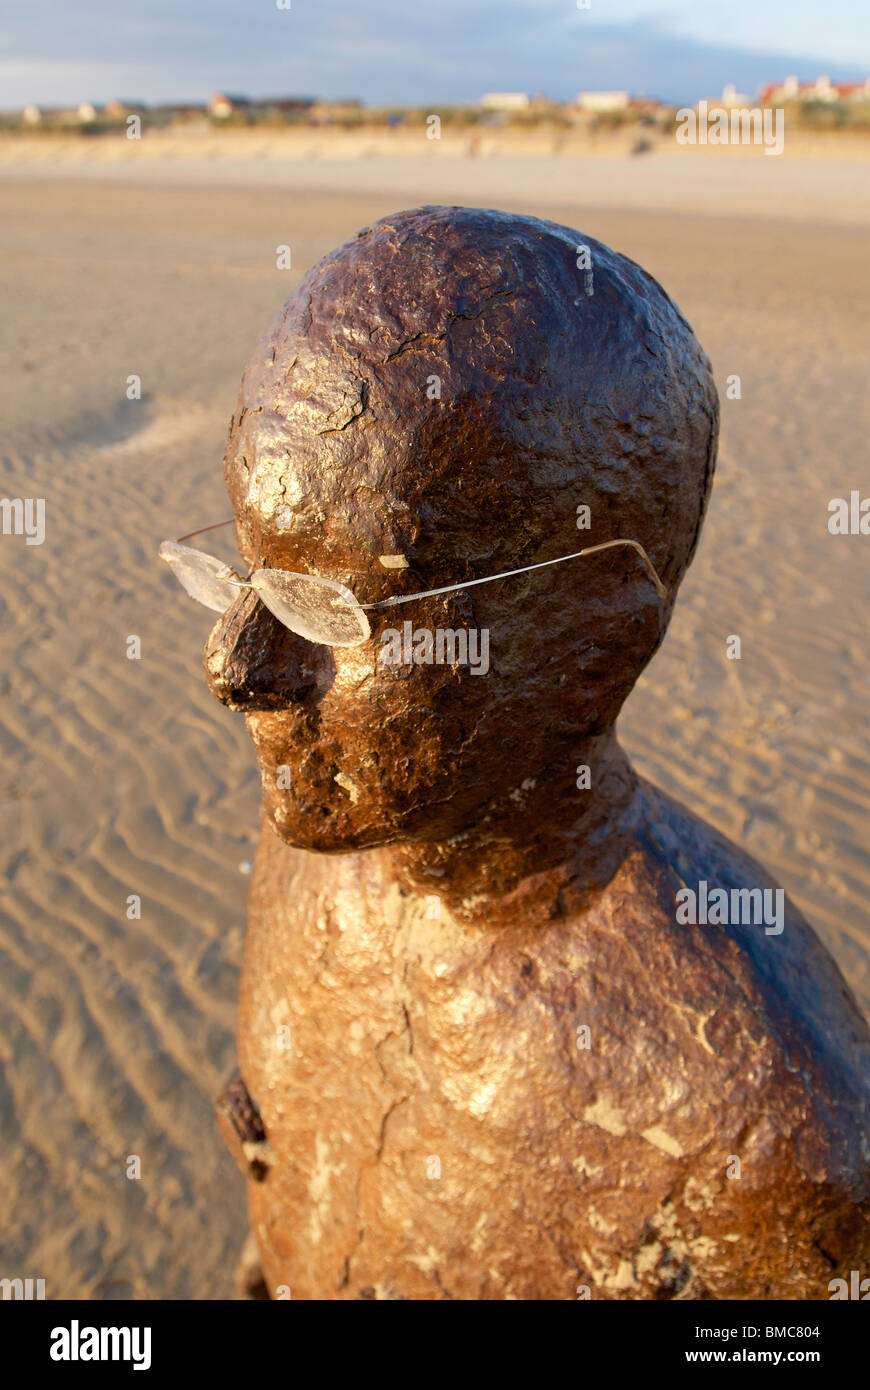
{"x": 545, "y": 849}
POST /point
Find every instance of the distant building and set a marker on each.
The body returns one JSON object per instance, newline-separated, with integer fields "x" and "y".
{"x": 86, "y": 112}
{"x": 731, "y": 97}
{"x": 221, "y": 106}
{"x": 117, "y": 109}
{"x": 31, "y": 115}
{"x": 789, "y": 90}
{"x": 820, "y": 90}
{"x": 505, "y": 101}
{"x": 853, "y": 91}
{"x": 823, "y": 89}
{"x": 730, "y": 100}
{"x": 602, "y": 101}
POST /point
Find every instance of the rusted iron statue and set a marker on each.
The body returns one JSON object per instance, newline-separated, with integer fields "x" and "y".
{"x": 514, "y": 1024}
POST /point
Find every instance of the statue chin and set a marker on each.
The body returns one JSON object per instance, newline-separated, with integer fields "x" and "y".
{"x": 315, "y": 829}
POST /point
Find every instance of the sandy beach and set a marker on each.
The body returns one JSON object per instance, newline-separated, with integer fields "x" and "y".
{"x": 123, "y": 778}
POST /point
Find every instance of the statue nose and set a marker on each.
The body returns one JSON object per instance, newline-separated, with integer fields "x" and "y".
{"x": 254, "y": 662}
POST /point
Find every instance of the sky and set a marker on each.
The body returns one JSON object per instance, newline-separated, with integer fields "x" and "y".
{"x": 419, "y": 52}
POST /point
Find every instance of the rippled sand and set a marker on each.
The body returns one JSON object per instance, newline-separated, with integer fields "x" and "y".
{"x": 123, "y": 777}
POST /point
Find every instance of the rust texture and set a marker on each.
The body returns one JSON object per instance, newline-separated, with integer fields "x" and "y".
{"x": 241, "y": 1125}
{"x": 438, "y": 912}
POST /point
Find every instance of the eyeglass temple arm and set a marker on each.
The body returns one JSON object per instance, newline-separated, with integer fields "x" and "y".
{"x": 489, "y": 579}
{"x": 542, "y": 564}
{"x": 202, "y": 530}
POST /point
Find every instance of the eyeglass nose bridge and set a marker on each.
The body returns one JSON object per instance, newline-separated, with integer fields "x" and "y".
{"x": 230, "y": 577}
{"x": 253, "y": 661}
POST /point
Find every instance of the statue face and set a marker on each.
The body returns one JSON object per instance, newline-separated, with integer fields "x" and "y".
{"x": 396, "y": 440}
{"x": 456, "y": 705}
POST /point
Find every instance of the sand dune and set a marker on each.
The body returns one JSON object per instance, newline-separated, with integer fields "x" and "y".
{"x": 123, "y": 777}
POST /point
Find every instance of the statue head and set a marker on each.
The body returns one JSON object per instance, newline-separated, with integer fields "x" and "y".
{"x": 454, "y": 394}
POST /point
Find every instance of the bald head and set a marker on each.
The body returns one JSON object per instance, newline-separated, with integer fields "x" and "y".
{"x": 473, "y": 392}
{"x": 481, "y": 374}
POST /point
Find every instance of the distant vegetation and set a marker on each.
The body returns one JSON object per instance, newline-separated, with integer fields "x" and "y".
{"x": 238, "y": 113}
{"x": 322, "y": 115}
{"x": 829, "y": 115}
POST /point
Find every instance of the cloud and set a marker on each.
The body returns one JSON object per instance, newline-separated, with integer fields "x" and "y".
{"x": 383, "y": 51}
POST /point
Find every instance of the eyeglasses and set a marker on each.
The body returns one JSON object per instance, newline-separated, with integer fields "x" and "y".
{"x": 322, "y": 610}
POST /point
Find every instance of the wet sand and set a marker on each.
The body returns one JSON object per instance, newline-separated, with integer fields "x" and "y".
{"x": 123, "y": 777}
